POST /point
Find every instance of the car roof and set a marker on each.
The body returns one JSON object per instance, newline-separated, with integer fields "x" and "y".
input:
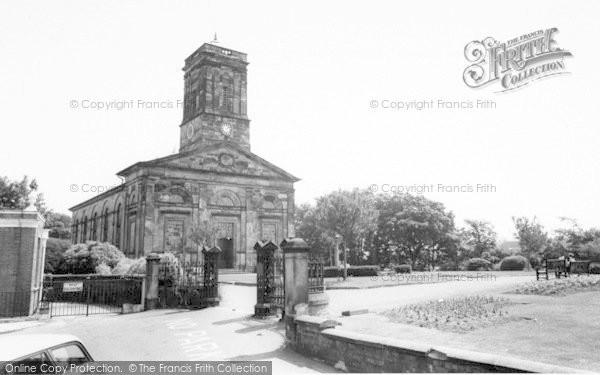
{"x": 17, "y": 346}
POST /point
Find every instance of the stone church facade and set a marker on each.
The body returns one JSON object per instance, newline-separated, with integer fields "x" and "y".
{"x": 214, "y": 183}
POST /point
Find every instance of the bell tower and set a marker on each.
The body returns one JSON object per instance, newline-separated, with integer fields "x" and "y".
{"x": 214, "y": 101}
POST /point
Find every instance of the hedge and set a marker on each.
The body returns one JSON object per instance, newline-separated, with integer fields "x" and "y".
{"x": 477, "y": 264}
{"x": 333, "y": 271}
{"x": 403, "y": 268}
{"x": 514, "y": 263}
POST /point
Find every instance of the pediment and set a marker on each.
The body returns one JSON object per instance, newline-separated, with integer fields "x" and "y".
{"x": 219, "y": 158}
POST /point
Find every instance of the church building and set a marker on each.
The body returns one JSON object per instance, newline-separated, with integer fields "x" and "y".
{"x": 215, "y": 184}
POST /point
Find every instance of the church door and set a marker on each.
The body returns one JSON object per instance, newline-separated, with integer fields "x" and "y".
{"x": 226, "y": 259}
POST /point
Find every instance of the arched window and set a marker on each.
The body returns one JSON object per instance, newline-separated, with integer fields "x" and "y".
{"x": 94, "y": 226}
{"x": 75, "y": 231}
{"x": 85, "y": 228}
{"x": 117, "y": 241}
{"x": 105, "y": 226}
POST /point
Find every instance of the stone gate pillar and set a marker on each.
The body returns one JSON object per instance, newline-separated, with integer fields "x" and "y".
{"x": 296, "y": 280}
{"x": 152, "y": 270}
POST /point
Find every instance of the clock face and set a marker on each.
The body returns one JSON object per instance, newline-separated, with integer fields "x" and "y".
{"x": 189, "y": 131}
{"x": 226, "y": 129}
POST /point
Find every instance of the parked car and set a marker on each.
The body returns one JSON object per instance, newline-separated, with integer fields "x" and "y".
{"x": 40, "y": 353}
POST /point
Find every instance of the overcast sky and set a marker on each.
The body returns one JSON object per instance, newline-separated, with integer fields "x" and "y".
{"x": 315, "y": 67}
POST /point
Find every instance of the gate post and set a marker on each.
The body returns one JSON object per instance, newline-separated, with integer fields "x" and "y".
{"x": 211, "y": 275}
{"x": 265, "y": 278}
{"x": 152, "y": 270}
{"x": 295, "y": 252}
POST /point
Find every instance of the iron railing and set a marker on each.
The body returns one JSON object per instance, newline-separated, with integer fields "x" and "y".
{"x": 316, "y": 265}
{"x": 90, "y": 294}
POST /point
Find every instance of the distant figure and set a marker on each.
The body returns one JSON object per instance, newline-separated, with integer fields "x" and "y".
{"x": 568, "y": 260}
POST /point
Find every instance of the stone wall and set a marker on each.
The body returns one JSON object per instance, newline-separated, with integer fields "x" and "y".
{"x": 355, "y": 352}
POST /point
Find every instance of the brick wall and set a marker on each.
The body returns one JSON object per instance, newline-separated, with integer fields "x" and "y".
{"x": 22, "y": 253}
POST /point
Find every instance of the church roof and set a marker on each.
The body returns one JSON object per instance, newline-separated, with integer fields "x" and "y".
{"x": 224, "y": 157}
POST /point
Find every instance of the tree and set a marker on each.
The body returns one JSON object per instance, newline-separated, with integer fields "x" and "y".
{"x": 203, "y": 234}
{"x": 55, "y": 250}
{"x": 58, "y": 224}
{"x": 416, "y": 229}
{"x": 573, "y": 237}
{"x": 480, "y": 238}
{"x": 533, "y": 240}
{"x": 16, "y": 194}
{"x": 350, "y": 214}
{"x": 307, "y": 228}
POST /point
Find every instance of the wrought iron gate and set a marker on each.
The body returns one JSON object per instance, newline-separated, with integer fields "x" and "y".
{"x": 89, "y": 294}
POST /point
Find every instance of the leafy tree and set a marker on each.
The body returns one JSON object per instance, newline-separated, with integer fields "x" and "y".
{"x": 203, "y": 234}
{"x": 307, "y": 228}
{"x": 59, "y": 225}
{"x": 480, "y": 238}
{"x": 532, "y": 237}
{"x": 350, "y": 214}
{"x": 16, "y": 194}
{"x": 55, "y": 249}
{"x": 574, "y": 238}
{"x": 417, "y": 230}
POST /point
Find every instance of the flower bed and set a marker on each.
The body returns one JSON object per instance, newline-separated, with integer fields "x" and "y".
{"x": 455, "y": 315}
{"x": 560, "y": 287}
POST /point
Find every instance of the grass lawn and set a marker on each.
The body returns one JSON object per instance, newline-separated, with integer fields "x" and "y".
{"x": 419, "y": 278}
{"x": 561, "y": 328}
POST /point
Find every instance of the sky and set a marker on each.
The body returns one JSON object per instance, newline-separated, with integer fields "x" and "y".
{"x": 316, "y": 68}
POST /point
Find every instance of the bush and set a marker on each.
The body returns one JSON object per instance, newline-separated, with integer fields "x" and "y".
{"x": 514, "y": 263}
{"x": 103, "y": 269}
{"x": 403, "y": 268}
{"x": 55, "y": 250}
{"x": 477, "y": 264}
{"x": 83, "y": 258}
{"x": 169, "y": 268}
{"x": 123, "y": 266}
{"x": 138, "y": 267}
{"x": 356, "y": 271}
{"x": 595, "y": 268}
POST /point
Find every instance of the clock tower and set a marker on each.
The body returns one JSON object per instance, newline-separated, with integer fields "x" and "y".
{"x": 214, "y": 101}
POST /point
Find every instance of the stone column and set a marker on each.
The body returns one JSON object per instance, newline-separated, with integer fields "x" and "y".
{"x": 152, "y": 270}
{"x": 296, "y": 281}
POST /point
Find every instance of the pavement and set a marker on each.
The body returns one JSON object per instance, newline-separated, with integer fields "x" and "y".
{"x": 226, "y": 332}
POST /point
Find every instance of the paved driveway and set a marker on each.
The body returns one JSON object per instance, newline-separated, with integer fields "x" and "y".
{"x": 227, "y": 332}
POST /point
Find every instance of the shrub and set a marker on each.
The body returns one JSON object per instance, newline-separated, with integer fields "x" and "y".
{"x": 403, "y": 268}
{"x": 514, "y": 263}
{"x": 103, "y": 269}
{"x": 83, "y": 258}
{"x": 55, "y": 250}
{"x": 138, "y": 267}
{"x": 169, "y": 267}
{"x": 357, "y": 271}
{"x": 477, "y": 264}
{"x": 123, "y": 266}
{"x": 595, "y": 268}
